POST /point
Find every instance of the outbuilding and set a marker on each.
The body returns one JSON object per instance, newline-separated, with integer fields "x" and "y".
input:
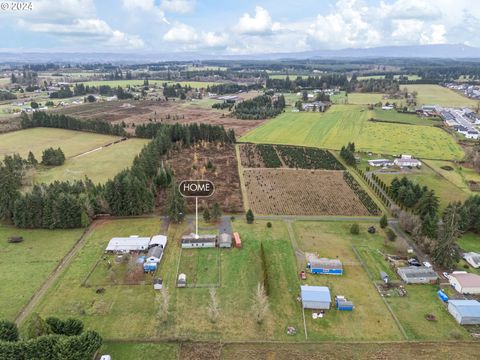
{"x": 155, "y": 254}
{"x": 465, "y": 283}
{"x": 182, "y": 280}
{"x": 466, "y": 312}
{"x": 158, "y": 240}
{"x": 385, "y": 277}
{"x": 225, "y": 240}
{"x": 157, "y": 284}
{"x": 202, "y": 241}
{"x": 315, "y": 297}
{"x": 128, "y": 244}
{"x": 325, "y": 266}
{"x": 237, "y": 239}
{"x": 473, "y": 259}
{"x": 149, "y": 267}
{"x": 417, "y": 275}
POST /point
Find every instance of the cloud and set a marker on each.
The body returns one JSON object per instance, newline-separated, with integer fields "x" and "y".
{"x": 178, "y": 6}
{"x": 145, "y": 7}
{"x": 418, "y": 32}
{"x": 259, "y": 24}
{"x": 191, "y": 39}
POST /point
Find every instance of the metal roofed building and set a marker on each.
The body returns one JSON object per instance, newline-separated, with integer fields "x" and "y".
{"x": 417, "y": 275}
{"x": 465, "y": 312}
{"x": 203, "y": 241}
{"x": 128, "y": 244}
{"x": 473, "y": 259}
{"x": 325, "y": 266}
{"x": 465, "y": 283}
{"x": 315, "y": 297}
{"x": 158, "y": 240}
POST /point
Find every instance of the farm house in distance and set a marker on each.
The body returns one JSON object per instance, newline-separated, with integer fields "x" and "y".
{"x": 203, "y": 241}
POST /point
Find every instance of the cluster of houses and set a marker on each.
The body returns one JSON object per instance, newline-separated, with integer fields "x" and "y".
{"x": 152, "y": 248}
{"x": 402, "y": 162}
{"x": 464, "y": 121}
{"x": 471, "y": 91}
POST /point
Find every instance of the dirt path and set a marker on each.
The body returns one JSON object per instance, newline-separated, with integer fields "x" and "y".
{"x": 35, "y": 299}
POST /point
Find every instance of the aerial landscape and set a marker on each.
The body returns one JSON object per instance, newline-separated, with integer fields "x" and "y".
{"x": 275, "y": 180}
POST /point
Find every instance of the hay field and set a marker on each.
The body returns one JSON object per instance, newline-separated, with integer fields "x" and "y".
{"x": 438, "y": 95}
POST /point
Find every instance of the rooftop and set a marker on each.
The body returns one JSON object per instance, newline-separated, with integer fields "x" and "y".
{"x": 466, "y": 279}
{"x": 470, "y": 308}
{"x": 417, "y": 272}
{"x": 315, "y": 293}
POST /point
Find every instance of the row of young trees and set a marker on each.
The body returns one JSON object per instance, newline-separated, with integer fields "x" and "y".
{"x": 260, "y": 107}
{"x": 51, "y": 339}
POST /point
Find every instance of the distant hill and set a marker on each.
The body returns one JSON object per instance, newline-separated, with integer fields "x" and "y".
{"x": 445, "y": 51}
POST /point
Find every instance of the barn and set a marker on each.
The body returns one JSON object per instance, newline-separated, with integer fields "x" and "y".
{"x": 466, "y": 312}
{"x": 315, "y": 297}
{"x": 128, "y": 244}
{"x": 417, "y": 275}
{"x": 202, "y": 241}
{"x": 325, "y": 266}
{"x": 465, "y": 283}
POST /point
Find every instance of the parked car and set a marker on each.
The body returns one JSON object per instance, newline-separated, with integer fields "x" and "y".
{"x": 303, "y": 275}
{"x": 427, "y": 264}
{"x": 445, "y": 274}
{"x": 414, "y": 262}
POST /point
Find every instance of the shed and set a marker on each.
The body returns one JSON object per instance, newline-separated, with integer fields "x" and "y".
{"x": 466, "y": 312}
{"x": 315, "y": 297}
{"x": 149, "y": 267}
{"x": 325, "y": 266}
{"x": 157, "y": 284}
{"x": 465, "y": 283}
{"x": 225, "y": 240}
{"x": 417, "y": 275}
{"x": 158, "y": 240}
{"x": 238, "y": 241}
{"x": 384, "y": 277}
{"x": 343, "y": 304}
{"x": 128, "y": 244}
{"x": 473, "y": 259}
{"x": 202, "y": 241}
{"x": 155, "y": 254}
{"x": 182, "y": 280}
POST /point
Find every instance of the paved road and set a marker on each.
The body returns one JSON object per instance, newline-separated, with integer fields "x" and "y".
{"x": 23, "y": 314}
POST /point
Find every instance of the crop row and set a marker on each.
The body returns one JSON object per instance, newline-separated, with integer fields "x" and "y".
{"x": 308, "y": 158}
{"x": 366, "y": 200}
{"x": 269, "y": 156}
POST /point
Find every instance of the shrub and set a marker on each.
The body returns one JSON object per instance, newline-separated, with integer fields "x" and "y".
{"x": 269, "y": 224}
{"x": 355, "y": 229}
{"x": 250, "y": 217}
{"x": 391, "y": 235}
{"x": 8, "y": 331}
{"x": 383, "y": 221}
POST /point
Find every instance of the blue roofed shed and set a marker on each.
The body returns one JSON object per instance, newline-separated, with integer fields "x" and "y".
{"x": 325, "y": 266}
{"x": 466, "y": 312}
{"x": 315, "y": 297}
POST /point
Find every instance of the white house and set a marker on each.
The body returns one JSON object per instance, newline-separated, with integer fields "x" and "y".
{"x": 158, "y": 240}
{"x": 407, "y": 161}
{"x": 473, "y": 259}
{"x": 128, "y": 244}
{"x": 380, "y": 162}
{"x": 472, "y": 134}
{"x": 465, "y": 283}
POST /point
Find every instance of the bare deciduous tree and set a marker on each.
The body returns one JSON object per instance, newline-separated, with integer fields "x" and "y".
{"x": 213, "y": 306}
{"x": 260, "y": 303}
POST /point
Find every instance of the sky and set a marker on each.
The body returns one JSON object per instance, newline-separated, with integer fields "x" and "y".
{"x": 236, "y": 27}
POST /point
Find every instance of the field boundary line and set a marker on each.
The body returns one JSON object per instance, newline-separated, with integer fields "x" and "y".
{"x": 243, "y": 187}
{"x": 54, "y": 275}
{"x": 370, "y": 276}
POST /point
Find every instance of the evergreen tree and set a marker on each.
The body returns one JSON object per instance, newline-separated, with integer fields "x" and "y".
{"x": 175, "y": 204}
{"x": 250, "y": 217}
{"x": 36, "y": 327}
{"x": 31, "y": 159}
{"x": 8, "y": 331}
{"x": 206, "y": 215}
{"x": 383, "y": 221}
{"x": 216, "y": 212}
{"x": 445, "y": 252}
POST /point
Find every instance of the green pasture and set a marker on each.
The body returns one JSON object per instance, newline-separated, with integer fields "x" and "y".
{"x": 409, "y": 119}
{"x": 356, "y": 98}
{"x": 470, "y": 242}
{"x": 345, "y": 123}
{"x": 438, "y": 95}
{"x": 25, "y": 266}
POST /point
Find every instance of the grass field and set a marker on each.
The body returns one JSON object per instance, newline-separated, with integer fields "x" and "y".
{"x": 38, "y": 139}
{"x": 99, "y": 165}
{"x": 202, "y": 266}
{"x": 124, "y": 83}
{"x": 370, "y": 319}
{"x": 356, "y": 98}
{"x": 128, "y": 351}
{"x": 470, "y": 242}
{"x": 438, "y": 95}
{"x": 410, "y": 119}
{"x": 446, "y": 191}
{"x": 459, "y": 176}
{"x": 26, "y": 265}
{"x": 344, "y": 123}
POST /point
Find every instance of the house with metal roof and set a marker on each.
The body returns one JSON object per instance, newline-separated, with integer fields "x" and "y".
{"x": 200, "y": 241}
{"x": 466, "y": 312}
{"x": 128, "y": 244}
{"x": 325, "y": 266}
{"x": 407, "y": 161}
{"x": 380, "y": 162}
{"x": 473, "y": 259}
{"x": 315, "y": 297}
{"x": 465, "y": 283}
{"x": 417, "y": 275}
{"x": 158, "y": 240}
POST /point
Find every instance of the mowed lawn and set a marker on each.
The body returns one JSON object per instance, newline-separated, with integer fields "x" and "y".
{"x": 357, "y": 98}
{"x": 409, "y": 119}
{"x": 439, "y": 95}
{"x": 470, "y": 242}
{"x": 26, "y": 265}
{"x": 345, "y": 123}
{"x": 370, "y": 320}
{"x": 99, "y": 166}
{"x": 38, "y": 139}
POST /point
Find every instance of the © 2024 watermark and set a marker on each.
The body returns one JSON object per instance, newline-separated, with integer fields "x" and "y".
{"x": 15, "y": 6}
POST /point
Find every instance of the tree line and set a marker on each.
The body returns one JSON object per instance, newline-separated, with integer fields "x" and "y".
{"x": 311, "y": 82}
{"x": 260, "y": 107}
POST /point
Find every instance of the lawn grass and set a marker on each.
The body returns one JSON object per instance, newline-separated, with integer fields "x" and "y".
{"x": 438, "y": 95}
{"x": 148, "y": 351}
{"x": 459, "y": 176}
{"x": 99, "y": 166}
{"x": 356, "y": 98}
{"x": 345, "y": 123}
{"x": 445, "y": 190}
{"x": 26, "y": 265}
{"x": 470, "y": 242}
{"x": 38, "y": 139}
{"x": 420, "y": 301}
{"x": 370, "y": 319}
{"x": 201, "y": 266}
